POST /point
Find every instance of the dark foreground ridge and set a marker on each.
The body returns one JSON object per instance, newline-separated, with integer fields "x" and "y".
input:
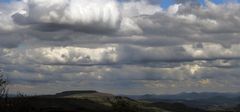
{"x": 94, "y": 101}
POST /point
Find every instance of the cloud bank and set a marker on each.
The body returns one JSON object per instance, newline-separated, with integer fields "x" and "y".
{"x": 132, "y": 46}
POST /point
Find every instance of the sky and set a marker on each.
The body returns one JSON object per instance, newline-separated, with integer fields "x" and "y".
{"x": 120, "y": 46}
{"x": 162, "y": 3}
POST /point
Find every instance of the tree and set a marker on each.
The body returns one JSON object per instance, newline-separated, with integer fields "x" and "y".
{"x": 3, "y": 84}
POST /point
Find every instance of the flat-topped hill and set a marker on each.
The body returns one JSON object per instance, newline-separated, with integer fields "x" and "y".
{"x": 83, "y": 94}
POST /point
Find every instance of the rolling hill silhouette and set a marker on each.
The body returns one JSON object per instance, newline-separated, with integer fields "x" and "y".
{"x": 94, "y": 101}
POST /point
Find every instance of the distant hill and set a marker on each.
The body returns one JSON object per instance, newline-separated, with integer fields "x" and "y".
{"x": 187, "y": 96}
{"x": 204, "y": 100}
{"x": 95, "y": 96}
{"x": 82, "y": 94}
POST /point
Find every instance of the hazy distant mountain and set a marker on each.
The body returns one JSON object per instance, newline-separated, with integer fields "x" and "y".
{"x": 200, "y": 100}
{"x": 187, "y": 96}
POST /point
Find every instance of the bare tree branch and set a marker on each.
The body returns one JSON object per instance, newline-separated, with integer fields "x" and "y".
{"x": 3, "y": 84}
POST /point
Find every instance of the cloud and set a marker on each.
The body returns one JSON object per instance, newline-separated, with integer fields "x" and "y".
{"x": 194, "y": 24}
{"x": 5, "y": 25}
{"x": 7, "y": 10}
{"x": 186, "y": 1}
{"x": 115, "y": 54}
{"x": 88, "y": 16}
{"x": 135, "y": 8}
{"x": 126, "y": 77}
{"x": 94, "y": 16}
{"x": 132, "y": 45}
{"x": 60, "y": 55}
